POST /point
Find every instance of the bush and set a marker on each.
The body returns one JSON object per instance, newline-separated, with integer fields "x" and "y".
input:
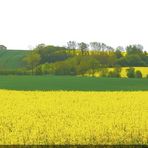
{"x": 131, "y": 72}
{"x": 104, "y": 72}
{"x": 115, "y": 73}
{"x": 14, "y": 72}
{"x": 138, "y": 74}
{"x": 38, "y": 70}
{"x": 111, "y": 74}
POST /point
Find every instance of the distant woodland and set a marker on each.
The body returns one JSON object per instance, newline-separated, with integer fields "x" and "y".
{"x": 81, "y": 58}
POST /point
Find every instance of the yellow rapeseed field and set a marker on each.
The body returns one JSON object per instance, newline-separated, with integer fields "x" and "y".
{"x": 62, "y": 117}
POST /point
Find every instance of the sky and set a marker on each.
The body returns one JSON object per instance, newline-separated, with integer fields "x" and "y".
{"x": 27, "y": 23}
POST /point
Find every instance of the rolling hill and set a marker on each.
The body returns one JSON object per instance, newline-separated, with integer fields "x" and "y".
{"x": 12, "y": 59}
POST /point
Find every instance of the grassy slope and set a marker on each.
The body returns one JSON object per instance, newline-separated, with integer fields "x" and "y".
{"x": 11, "y": 59}
{"x": 70, "y": 83}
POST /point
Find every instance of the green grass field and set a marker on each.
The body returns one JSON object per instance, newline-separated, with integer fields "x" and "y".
{"x": 71, "y": 83}
{"x": 11, "y": 59}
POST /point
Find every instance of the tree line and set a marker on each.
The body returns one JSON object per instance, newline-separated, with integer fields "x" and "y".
{"x": 81, "y": 59}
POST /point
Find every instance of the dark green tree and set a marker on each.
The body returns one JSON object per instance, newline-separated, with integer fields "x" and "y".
{"x": 134, "y": 49}
{"x": 32, "y": 60}
{"x": 131, "y": 72}
{"x": 138, "y": 74}
{"x": 83, "y": 48}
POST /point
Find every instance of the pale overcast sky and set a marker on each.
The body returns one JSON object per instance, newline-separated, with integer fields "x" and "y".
{"x": 26, "y": 23}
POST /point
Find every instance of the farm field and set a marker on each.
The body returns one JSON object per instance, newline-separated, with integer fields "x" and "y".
{"x": 73, "y": 117}
{"x": 71, "y": 83}
{"x": 12, "y": 59}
